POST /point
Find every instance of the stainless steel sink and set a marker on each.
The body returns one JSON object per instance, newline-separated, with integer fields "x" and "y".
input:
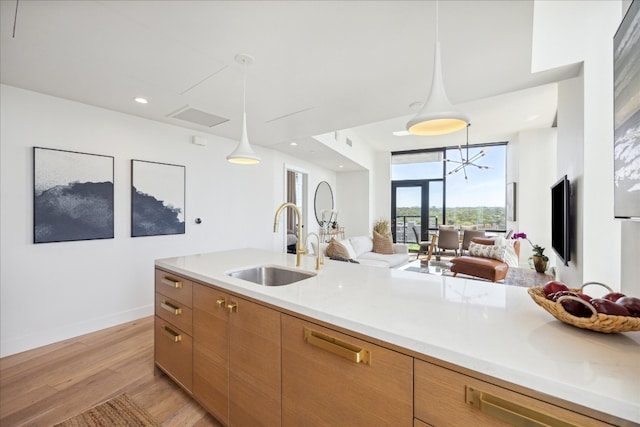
{"x": 270, "y": 275}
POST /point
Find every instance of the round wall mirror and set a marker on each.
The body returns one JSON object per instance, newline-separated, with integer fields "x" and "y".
{"x": 323, "y": 201}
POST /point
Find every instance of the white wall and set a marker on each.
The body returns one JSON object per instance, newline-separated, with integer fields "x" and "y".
{"x": 380, "y": 192}
{"x": 54, "y": 291}
{"x": 513, "y": 175}
{"x": 571, "y": 163}
{"x": 353, "y": 202}
{"x": 570, "y": 31}
{"x": 359, "y": 151}
{"x": 537, "y": 172}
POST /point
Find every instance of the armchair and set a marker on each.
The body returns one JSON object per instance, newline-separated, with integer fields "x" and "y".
{"x": 467, "y": 235}
{"x": 448, "y": 239}
{"x": 425, "y": 246}
{"x": 479, "y": 266}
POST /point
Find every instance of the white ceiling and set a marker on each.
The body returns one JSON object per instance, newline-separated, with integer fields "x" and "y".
{"x": 320, "y": 66}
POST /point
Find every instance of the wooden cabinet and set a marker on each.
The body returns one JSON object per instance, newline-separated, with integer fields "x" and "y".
{"x": 236, "y": 358}
{"x": 173, "y": 326}
{"x": 329, "y": 378}
{"x": 447, "y": 398}
{"x": 251, "y": 365}
{"x": 211, "y": 350}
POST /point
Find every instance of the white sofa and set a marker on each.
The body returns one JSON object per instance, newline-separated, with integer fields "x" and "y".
{"x": 361, "y": 249}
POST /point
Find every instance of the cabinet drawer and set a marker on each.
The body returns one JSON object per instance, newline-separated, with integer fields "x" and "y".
{"x": 173, "y": 350}
{"x": 174, "y": 312}
{"x": 174, "y": 287}
{"x": 441, "y": 397}
{"x": 329, "y": 378}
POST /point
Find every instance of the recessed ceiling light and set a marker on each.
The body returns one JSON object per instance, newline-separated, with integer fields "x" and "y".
{"x": 340, "y": 166}
{"x": 401, "y": 133}
{"x": 141, "y": 100}
{"x": 293, "y": 144}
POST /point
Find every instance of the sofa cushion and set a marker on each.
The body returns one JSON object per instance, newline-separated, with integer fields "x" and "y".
{"x": 392, "y": 260}
{"x": 373, "y": 262}
{"x": 361, "y": 244}
{"x": 382, "y": 243}
{"x": 486, "y": 268}
{"x": 487, "y": 251}
{"x": 337, "y": 249}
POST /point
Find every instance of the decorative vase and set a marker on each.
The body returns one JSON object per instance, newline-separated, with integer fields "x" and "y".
{"x": 539, "y": 264}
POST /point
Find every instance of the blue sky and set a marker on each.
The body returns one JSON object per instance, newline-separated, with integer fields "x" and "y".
{"x": 484, "y": 187}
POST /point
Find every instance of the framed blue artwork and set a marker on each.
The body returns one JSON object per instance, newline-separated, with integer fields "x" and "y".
{"x": 157, "y": 198}
{"x": 72, "y": 196}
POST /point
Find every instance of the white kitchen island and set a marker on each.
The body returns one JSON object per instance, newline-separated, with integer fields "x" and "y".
{"x": 493, "y": 329}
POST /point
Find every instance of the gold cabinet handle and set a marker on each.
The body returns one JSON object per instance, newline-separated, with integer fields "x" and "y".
{"x": 220, "y": 303}
{"x": 173, "y": 335}
{"x": 170, "y": 282}
{"x": 337, "y": 347}
{"x": 233, "y": 306}
{"x": 510, "y": 412}
{"x": 171, "y": 308}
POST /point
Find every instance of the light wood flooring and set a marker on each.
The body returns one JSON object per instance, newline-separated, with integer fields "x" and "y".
{"x": 44, "y": 386}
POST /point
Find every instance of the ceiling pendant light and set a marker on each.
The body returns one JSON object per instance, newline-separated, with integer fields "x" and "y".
{"x": 243, "y": 154}
{"x": 464, "y": 162}
{"x": 438, "y": 116}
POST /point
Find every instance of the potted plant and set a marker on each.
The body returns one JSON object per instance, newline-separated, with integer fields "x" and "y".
{"x": 381, "y": 226}
{"x": 539, "y": 258}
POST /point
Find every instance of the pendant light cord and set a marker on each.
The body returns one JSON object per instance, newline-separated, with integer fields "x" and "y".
{"x": 15, "y": 19}
{"x": 437, "y": 23}
{"x": 244, "y": 87}
{"x": 468, "y": 142}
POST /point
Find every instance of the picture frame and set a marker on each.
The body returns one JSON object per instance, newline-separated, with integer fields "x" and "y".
{"x": 73, "y": 196}
{"x": 511, "y": 201}
{"x": 626, "y": 142}
{"x": 157, "y": 198}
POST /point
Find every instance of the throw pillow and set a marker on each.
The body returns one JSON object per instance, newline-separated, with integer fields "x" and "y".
{"x": 361, "y": 244}
{"x": 352, "y": 253}
{"x": 487, "y": 251}
{"x": 336, "y": 249}
{"x": 510, "y": 256}
{"x": 382, "y": 243}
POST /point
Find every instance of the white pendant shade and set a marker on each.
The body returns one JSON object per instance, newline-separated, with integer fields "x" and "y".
{"x": 438, "y": 116}
{"x": 243, "y": 154}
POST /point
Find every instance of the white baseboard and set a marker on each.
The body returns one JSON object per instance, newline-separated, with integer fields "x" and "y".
{"x": 53, "y": 335}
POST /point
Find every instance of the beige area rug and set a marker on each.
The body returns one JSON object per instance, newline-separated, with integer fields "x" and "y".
{"x": 119, "y": 411}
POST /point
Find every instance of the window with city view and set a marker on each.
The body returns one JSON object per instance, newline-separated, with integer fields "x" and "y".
{"x": 425, "y": 192}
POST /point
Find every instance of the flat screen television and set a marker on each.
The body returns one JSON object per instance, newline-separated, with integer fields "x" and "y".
{"x": 626, "y": 141}
{"x": 561, "y": 219}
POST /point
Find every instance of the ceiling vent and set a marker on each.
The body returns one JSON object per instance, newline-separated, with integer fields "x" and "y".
{"x": 198, "y": 117}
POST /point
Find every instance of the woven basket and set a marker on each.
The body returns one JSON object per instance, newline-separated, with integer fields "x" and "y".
{"x": 597, "y": 322}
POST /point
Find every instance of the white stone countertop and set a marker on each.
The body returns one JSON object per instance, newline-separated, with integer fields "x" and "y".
{"x": 494, "y": 329}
